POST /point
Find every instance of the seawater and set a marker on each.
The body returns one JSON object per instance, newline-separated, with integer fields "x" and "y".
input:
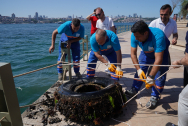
{"x": 25, "y": 47}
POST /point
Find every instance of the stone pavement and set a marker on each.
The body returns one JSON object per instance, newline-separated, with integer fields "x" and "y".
{"x": 134, "y": 114}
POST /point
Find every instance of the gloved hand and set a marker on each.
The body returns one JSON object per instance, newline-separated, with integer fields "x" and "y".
{"x": 119, "y": 72}
{"x": 111, "y": 67}
{"x": 149, "y": 82}
{"x": 141, "y": 74}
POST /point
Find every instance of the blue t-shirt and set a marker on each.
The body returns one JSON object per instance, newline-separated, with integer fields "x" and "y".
{"x": 66, "y": 28}
{"x": 156, "y": 42}
{"x": 111, "y": 41}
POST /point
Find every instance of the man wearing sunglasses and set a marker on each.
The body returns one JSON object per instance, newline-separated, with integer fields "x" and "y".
{"x": 103, "y": 22}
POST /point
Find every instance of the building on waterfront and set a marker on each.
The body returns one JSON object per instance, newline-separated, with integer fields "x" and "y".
{"x": 36, "y": 15}
{"x": 135, "y": 15}
{"x": 29, "y": 17}
{"x": 13, "y": 16}
{"x": 69, "y": 17}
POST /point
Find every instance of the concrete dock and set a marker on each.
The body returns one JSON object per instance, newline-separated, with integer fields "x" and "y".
{"x": 134, "y": 114}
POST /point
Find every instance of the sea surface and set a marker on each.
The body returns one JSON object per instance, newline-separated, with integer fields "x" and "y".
{"x": 25, "y": 47}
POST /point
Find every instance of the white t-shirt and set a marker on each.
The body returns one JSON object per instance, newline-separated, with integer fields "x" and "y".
{"x": 106, "y": 24}
{"x": 170, "y": 28}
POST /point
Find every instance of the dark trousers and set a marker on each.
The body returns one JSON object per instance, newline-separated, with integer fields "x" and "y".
{"x": 185, "y": 76}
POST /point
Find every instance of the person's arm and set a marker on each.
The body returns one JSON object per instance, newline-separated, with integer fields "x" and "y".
{"x": 113, "y": 29}
{"x": 183, "y": 61}
{"x": 119, "y": 57}
{"x": 88, "y": 17}
{"x": 52, "y": 47}
{"x": 158, "y": 61}
{"x": 175, "y": 38}
{"x": 175, "y": 34}
{"x": 134, "y": 57}
{"x": 72, "y": 41}
{"x": 97, "y": 54}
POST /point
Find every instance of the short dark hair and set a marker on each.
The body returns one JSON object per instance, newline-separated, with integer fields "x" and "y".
{"x": 164, "y": 7}
{"x": 76, "y": 22}
{"x": 140, "y": 26}
{"x": 186, "y": 6}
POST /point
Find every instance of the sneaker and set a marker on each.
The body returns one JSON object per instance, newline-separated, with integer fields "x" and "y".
{"x": 78, "y": 75}
{"x": 130, "y": 93}
{"x": 152, "y": 104}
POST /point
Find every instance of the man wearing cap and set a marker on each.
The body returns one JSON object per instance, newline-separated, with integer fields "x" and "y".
{"x": 72, "y": 32}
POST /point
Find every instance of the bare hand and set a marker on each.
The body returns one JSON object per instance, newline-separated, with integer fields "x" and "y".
{"x": 174, "y": 41}
{"x": 51, "y": 49}
{"x": 177, "y": 62}
{"x": 68, "y": 44}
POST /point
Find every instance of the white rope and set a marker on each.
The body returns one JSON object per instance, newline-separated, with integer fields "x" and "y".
{"x": 123, "y": 64}
{"x": 66, "y": 63}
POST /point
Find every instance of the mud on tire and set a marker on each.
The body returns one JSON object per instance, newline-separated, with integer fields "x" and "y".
{"x": 90, "y": 100}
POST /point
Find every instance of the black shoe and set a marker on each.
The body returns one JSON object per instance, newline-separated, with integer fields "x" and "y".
{"x": 152, "y": 104}
{"x": 130, "y": 93}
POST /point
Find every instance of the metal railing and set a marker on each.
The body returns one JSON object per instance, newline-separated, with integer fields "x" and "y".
{"x": 123, "y": 28}
{"x": 85, "y": 51}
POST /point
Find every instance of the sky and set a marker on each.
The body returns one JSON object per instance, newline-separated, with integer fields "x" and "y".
{"x": 64, "y": 8}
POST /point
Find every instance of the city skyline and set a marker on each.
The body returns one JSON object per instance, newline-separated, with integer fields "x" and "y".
{"x": 13, "y": 15}
{"x": 59, "y": 9}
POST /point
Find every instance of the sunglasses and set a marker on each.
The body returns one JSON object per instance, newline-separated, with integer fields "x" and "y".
{"x": 98, "y": 14}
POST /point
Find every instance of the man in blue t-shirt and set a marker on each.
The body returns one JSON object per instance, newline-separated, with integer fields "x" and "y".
{"x": 154, "y": 45}
{"x": 72, "y": 32}
{"x": 105, "y": 42}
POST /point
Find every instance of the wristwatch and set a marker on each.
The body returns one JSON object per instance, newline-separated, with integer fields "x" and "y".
{"x": 152, "y": 77}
